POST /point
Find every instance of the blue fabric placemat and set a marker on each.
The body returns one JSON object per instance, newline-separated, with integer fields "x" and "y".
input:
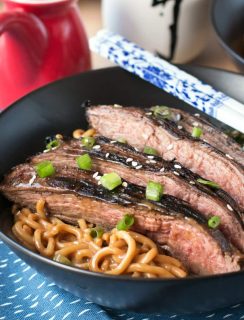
{"x": 25, "y": 294}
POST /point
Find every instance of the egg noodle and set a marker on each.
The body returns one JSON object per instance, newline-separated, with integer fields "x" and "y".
{"x": 115, "y": 252}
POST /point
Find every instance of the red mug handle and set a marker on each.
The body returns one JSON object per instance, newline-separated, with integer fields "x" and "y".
{"x": 28, "y": 28}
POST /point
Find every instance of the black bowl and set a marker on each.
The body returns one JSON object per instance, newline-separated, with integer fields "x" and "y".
{"x": 228, "y": 22}
{"x": 56, "y": 108}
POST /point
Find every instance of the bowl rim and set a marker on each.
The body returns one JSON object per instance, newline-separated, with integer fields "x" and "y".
{"x": 19, "y": 247}
{"x": 224, "y": 44}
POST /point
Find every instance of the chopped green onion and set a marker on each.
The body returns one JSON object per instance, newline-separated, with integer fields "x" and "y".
{"x": 208, "y": 183}
{"x": 52, "y": 144}
{"x": 126, "y": 222}
{"x": 122, "y": 140}
{"x": 214, "y": 222}
{"x": 196, "y": 132}
{"x": 163, "y": 111}
{"x": 84, "y": 162}
{"x": 45, "y": 169}
{"x": 110, "y": 180}
{"x": 88, "y": 142}
{"x": 149, "y": 150}
{"x": 62, "y": 259}
{"x": 154, "y": 191}
{"x": 96, "y": 232}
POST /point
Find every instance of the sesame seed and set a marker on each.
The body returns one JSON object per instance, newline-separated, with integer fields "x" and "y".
{"x": 229, "y": 207}
{"x": 228, "y": 156}
{"x": 32, "y": 179}
{"x": 177, "y": 166}
{"x": 97, "y": 147}
{"x": 150, "y": 157}
{"x": 125, "y": 184}
{"x": 136, "y": 149}
{"x": 95, "y": 175}
{"x": 134, "y": 163}
{"x": 177, "y": 117}
{"x": 99, "y": 182}
{"x": 139, "y": 167}
{"x": 170, "y": 147}
{"x": 152, "y": 161}
{"x": 107, "y": 155}
{"x": 148, "y": 113}
{"x": 161, "y": 170}
{"x": 176, "y": 173}
{"x": 117, "y": 106}
{"x": 129, "y": 159}
{"x": 148, "y": 161}
{"x": 195, "y": 124}
{"x": 180, "y": 127}
{"x": 196, "y": 114}
{"x": 45, "y": 151}
{"x": 145, "y": 136}
{"x": 113, "y": 141}
{"x": 192, "y": 182}
{"x": 98, "y": 177}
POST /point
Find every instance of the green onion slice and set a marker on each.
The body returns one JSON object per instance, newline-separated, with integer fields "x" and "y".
{"x": 84, "y": 162}
{"x": 208, "y": 183}
{"x": 126, "y": 222}
{"x": 88, "y": 142}
{"x": 196, "y": 132}
{"x": 154, "y": 191}
{"x": 53, "y": 144}
{"x": 122, "y": 140}
{"x": 214, "y": 222}
{"x": 110, "y": 180}
{"x": 62, "y": 259}
{"x": 45, "y": 169}
{"x": 149, "y": 150}
{"x": 96, "y": 232}
{"x": 162, "y": 111}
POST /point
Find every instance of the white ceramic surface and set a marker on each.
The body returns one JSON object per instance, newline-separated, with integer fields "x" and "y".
{"x": 149, "y": 22}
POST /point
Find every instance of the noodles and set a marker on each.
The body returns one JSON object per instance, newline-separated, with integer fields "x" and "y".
{"x": 79, "y": 133}
{"x": 115, "y": 252}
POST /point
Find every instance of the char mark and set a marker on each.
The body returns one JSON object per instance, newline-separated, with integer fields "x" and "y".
{"x": 130, "y": 195}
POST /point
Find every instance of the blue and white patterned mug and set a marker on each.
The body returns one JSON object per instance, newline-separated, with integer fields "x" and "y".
{"x": 177, "y": 30}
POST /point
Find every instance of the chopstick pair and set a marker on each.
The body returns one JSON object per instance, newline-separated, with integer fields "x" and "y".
{"x": 169, "y": 78}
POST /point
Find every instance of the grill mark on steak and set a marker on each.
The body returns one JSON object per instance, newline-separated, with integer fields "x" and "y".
{"x": 140, "y": 129}
{"x": 169, "y": 166}
{"x": 85, "y": 185}
{"x": 113, "y": 156}
{"x": 202, "y": 250}
{"x": 131, "y": 195}
{"x": 210, "y": 134}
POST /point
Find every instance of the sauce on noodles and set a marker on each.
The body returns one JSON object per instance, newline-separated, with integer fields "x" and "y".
{"x": 116, "y": 252}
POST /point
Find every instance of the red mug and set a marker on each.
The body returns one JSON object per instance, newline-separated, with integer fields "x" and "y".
{"x": 40, "y": 41}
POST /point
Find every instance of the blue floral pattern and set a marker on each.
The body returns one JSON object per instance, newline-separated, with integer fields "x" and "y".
{"x": 167, "y": 77}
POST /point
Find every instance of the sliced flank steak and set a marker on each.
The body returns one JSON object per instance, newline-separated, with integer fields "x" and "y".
{"x": 210, "y": 133}
{"x": 169, "y": 222}
{"x": 141, "y": 127}
{"x": 139, "y": 168}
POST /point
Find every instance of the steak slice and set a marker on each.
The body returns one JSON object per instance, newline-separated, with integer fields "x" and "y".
{"x": 141, "y": 128}
{"x": 210, "y": 133}
{"x": 141, "y": 168}
{"x": 169, "y": 222}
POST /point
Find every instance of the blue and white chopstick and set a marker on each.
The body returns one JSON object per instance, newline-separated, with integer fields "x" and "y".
{"x": 169, "y": 78}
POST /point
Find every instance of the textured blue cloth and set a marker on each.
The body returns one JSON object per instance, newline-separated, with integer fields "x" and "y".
{"x": 24, "y": 294}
